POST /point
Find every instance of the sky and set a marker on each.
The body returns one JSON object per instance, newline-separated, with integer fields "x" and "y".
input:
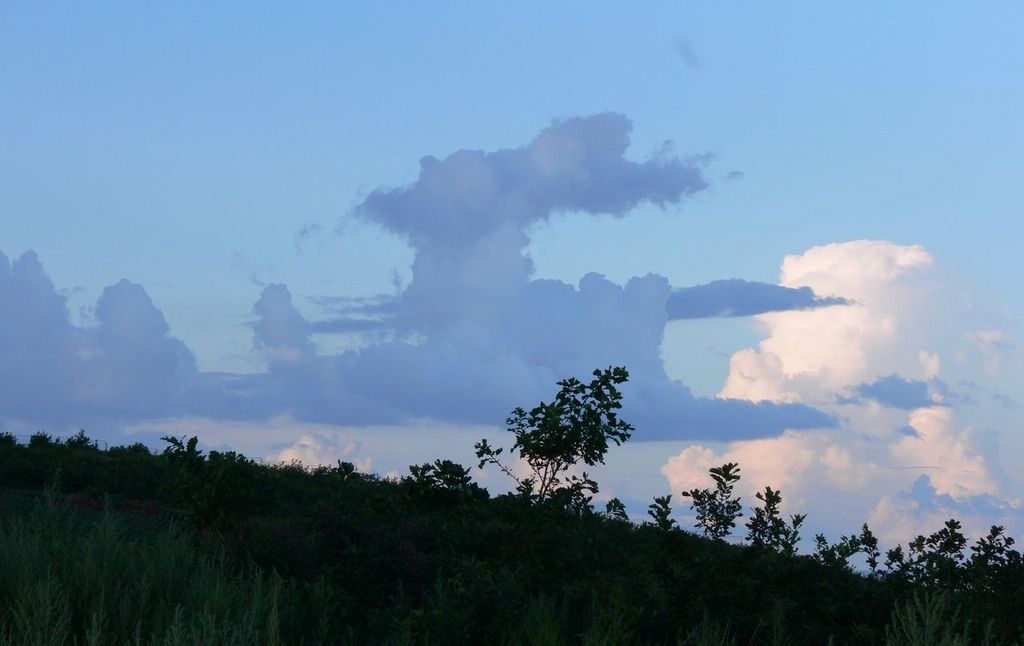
{"x": 328, "y": 231}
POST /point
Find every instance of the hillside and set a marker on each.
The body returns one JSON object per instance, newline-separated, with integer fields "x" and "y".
{"x": 130, "y": 546}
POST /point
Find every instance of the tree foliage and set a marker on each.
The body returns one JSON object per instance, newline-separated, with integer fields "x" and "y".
{"x": 219, "y": 489}
{"x": 553, "y": 438}
{"x": 766, "y": 527}
{"x": 717, "y": 509}
{"x": 661, "y": 513}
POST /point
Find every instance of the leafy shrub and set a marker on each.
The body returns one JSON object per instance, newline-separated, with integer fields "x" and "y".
{"x": 40, "y": 440}
{"x": 716, "y": 509}
{"x": 660, "y": 511}
{"x": 616, "y": 510}
{"x": 767, "y": 529}
{"x": 81, "y": 441}
{"x": 218, "y": 490}
{"x": 553, "y": 438}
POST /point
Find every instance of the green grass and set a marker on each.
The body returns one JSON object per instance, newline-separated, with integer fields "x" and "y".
{"x": 75, "y": 577}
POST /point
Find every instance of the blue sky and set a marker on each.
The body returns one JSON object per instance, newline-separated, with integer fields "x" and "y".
{"x": 206, "y": 153}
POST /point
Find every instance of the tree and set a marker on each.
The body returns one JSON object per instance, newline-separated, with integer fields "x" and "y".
{"x": 717, "y": 510}
{"x": 944, "y": 555}
{"x": 661, "y": 512}
{"x": 869, "y": 546}
{"x": 838, "y": 554}
{"x": 553, "y": 438}
{"x": 218, "y": 490}
{"x": 767, "y": 529}
{"x": 991, "y": 556}
{"x": 81, "y": 441}
{"x": 615, "y": 510}
{"x": 443, "y": 479}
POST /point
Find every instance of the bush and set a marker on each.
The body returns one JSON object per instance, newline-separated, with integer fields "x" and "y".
{"x": 553, "y": 438}
{"x": 716, "y": 509}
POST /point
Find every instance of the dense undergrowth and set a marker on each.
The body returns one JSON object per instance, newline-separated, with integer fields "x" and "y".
{"x": 128, "y": 546}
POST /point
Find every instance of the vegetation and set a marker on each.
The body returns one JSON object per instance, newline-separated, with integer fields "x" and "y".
{"x": 128, "y": 546}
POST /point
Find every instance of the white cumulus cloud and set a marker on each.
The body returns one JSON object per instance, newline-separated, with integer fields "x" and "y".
{"x": 904, "y": 320}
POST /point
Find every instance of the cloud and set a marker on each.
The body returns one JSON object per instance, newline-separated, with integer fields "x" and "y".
{"x": 38, "y": 344}
{"x": 842, "y": 478}
{"x": 133, "y": 367}
{"x": 808, "y": 356}
{"x": 52, "y": 371}
{"x": 280, "y": 333}
{"x": 898, "y": 392}
{"x": 960, "y": 467}
{"x": 686, "y": 53}
{"x": 736, "y": 297}
{"x": 348, "y": 325}
{"x": 379, "y": 305}
{"x": 874, "y": 362}
{"x": 577, "y": 164}
{"x": 354, "y": 315}
{"x": 477, "y": 335}
{"x": 921, "y": 509}
{"x": 997, "y": 347}
{"x": 315, "y": 449}
{"x": 475, "y": 370}
{"x": 304, "y": 235}
{"x": 473, "y": 334}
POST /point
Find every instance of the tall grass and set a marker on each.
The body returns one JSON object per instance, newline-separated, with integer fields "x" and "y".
{"x": 930, "y": 618}
{"x": 69, "y": 577}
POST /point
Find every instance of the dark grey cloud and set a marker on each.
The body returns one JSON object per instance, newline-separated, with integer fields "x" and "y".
{"x": 736, "y": 297}
{"x": 897, "y": 392}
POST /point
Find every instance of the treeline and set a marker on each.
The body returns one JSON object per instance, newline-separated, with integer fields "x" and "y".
{"x": 183, "y": 546}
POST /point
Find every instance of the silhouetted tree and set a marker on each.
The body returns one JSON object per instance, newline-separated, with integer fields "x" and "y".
{"x": 767, "y": 529}
{"x": 552, "y": 438}
{"x": 660, "y": 511}
{"x": 615, "y": 509}
{"x": 716, "y": 509}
